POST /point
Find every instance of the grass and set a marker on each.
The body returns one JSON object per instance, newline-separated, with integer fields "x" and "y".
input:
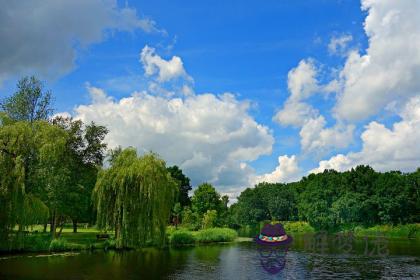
{"x": 411, "y": 231}
{"x": 215, "y": 235}
{"x": 298, "y": 227}
{"x": 183, "y": 237}
{"x": 37, "y": 241}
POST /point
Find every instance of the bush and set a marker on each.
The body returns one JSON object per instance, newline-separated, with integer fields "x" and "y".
{"x": 109, "y": 244}
{"x": 297, "y": 227}
{"x": 182, "y": 237}
{"x": 216, "y": 235}
{"x": 58, "y": 245}
{"x": 26, "y": 242}
{"x": 399, "y": 231}
{"x": 209, "y": 219}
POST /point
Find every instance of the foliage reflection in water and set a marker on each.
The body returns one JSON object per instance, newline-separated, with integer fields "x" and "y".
{"x": 222, "y": 261}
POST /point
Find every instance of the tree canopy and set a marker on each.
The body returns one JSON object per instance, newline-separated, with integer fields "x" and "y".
{"x": 135, "y": 196}
{"x": 184, "y": 185}
{"x": 335, "y": 200}
{"x": 29, "y": 103}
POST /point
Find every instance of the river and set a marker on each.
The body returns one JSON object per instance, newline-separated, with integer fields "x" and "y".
{"x": 231, "y": 261}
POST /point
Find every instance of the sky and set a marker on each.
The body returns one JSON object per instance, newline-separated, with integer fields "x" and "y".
{"x": 233, "y": 92}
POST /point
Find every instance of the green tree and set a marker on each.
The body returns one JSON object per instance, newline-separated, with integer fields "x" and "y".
{"x": 177, "y": 210}
{"x": 209, "y": 219}
{"x": 32, "y": 168}
{"x": 190, "y": 219}
{"x": 135, "y": 196}
{"x": 205, "y": 198}
{"x": 251, "y": 208}
{"x": 53, "y": 173}
{"x": 85, "y": 154}
{"x": 184, "y": 185}
{"x": 29, "y": 103}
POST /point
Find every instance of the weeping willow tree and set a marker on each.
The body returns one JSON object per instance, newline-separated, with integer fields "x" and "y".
{"x": 135, "y": 196}
{"x": 17, "y": 206}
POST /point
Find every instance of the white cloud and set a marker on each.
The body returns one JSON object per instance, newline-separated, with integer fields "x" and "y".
{"x": 287, "y": 171}
{"x": 43, "y": 36}
{"x": 302, "y": 83}
{"x": 339, "y": 45}
{"x": 395, "y": 148}
{"x": 390, "y": 68}
{"x": 165, "y": 70}
{"x": 316, "y": 138}
{"x": 295, "y": 113}
{"x": 210, "y": 137}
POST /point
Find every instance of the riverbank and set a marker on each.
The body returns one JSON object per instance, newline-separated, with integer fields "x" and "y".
{"x": 35, "y": 241}
{"x": 86, "y": 239}
{"x": 409, "y": 231}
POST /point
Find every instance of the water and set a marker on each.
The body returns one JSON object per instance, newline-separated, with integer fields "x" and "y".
{"x": 223, "y": 261}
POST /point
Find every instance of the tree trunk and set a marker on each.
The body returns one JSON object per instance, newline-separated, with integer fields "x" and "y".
{"x": 45, "y": 227}
{"x": 53, "y": 225}
{"x": 61, "y": 228}
{"x": 74, "y": 226}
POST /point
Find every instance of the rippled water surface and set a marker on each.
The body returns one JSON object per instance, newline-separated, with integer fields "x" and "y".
{"x": 227, "y": 261}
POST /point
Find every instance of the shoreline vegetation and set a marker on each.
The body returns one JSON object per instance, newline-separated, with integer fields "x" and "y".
{"x": 35, "y": 241}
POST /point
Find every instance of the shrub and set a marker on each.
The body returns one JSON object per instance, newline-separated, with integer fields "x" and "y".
{"x": 59, "y": 244}
{"x": 38, "y": 242}
{"x": 298, "y": 227}
{"x": 216, "y": 235}
{"x": 182, "y": 237}
{"x": 209, "y": 219}
{"x": 109, "y": 244}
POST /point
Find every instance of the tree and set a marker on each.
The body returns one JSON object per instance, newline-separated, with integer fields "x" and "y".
{"x": 85, "y": 154}
{"x": 209, "y": 219}
{"x": 190, "y": 219}
{"x": 184, "y": 185}
{"x": 250, "y": 208}
{"x": 177, "y": 210}
{"x": 53, "y": 173}
{"x": 205, "y": 198}
{"x": 135, "y": 196}
{"x": 33, "y": 171}
{"x": 29, "y": 103}
{"x": 15, "y": 141}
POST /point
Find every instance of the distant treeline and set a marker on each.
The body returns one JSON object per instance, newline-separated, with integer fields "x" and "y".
{"x": 334, "y": 200}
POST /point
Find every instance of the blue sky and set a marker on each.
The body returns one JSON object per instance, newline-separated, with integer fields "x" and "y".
{"x": 247, "y": 48}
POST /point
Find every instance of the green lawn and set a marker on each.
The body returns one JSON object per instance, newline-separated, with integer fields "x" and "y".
{"x": 35, "y": 240}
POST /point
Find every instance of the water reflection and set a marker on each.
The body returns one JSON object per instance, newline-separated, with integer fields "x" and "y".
{"x": 227, "y": 261}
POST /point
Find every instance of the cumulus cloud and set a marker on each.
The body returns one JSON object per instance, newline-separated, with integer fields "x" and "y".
{"x": 390, "y": 68}
{"x": 208, "y": 136}
{"x": 315, "y": 137}
{"x": 43, "y": 36}
{"x": 384, "y": 149}
{"x": 339, "y": 44}
{"x": 286, "y": 171}
{"x": 314, "y": 133}
{"x": 302, "y": 83}
{"x": 295, "y": 113}
{"x": 164, "y": 70}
